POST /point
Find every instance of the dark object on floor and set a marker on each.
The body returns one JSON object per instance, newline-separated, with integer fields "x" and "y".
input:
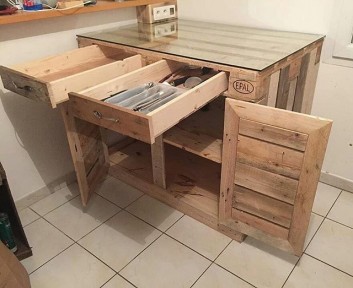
{"x": 7, "y": 206}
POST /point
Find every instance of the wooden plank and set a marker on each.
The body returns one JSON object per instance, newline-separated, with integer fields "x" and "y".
{"x": 279, "y": 243}
{"x": 197, "y": 143}
{"x": 151, "y": 73}
{"x": 283, "y": 88}
{"x": 279, "y": 118}
{"x": 119, "y": 119}
{"x": 229, "y": 152}
{"x": 59, "y": 89}
{"x": 158, "y": 162}
{"x": 311, "y": 77}
{"x": 275, "y": 135}
{"x": 266, "y": 183}
{"x": 272, "y": 92}
{"x": 265, "y": 207}
{"x": 291, "y": 94}
{"x": 260, "y": 224}
{"x": 170, "y": 114}
{"x": 87, "y": 179}
{"x": 299, "y": 94}
{"x": 270, "y": 157}
{"x": 309, "y": 177}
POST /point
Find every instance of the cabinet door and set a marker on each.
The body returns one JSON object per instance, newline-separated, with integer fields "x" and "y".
{"x": 88, "y": 150}
{"x": 271, "y": 164}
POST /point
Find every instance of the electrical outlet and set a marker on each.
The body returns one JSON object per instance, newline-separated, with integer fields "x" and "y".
{"x": 164, "y": 30}
{"x": 164, "y": 12}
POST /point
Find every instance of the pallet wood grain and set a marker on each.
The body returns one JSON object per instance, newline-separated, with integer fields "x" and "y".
{"x": 261, "y": 202}
{"x": 262, "y": 206}
{"x": 158, "y": 162}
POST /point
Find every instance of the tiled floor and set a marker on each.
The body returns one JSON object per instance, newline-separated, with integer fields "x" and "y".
{"x": 125, "y": 239}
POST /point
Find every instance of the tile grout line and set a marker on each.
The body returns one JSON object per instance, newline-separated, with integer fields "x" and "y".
{"x": 328, "y": 264}
{"x": 100, "y": 224}
{"x": 339, "y": 195}
{"x": 174, "y": 223}
{"x": 58, "y": 206}
{"x": 198, "y": 278}
{"x": 139, "y": 254}
{"x": 108, "y": 280}
{"x": 72, "y": 244}
{"x": 100, "y": 260}
{"x": 335, "y": 221}
{"x": 214, "y": 262}
{"x": 317, "y": 230}
{"x": 39, "y": 216}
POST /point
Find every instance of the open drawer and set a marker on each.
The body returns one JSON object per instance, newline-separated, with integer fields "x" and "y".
{"x": 50, "y": 79}
{"x": 88, "y": 105}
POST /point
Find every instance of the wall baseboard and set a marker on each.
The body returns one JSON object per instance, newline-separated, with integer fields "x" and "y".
{"x": 43, "y": 192}
{"x": 337, "y": 181}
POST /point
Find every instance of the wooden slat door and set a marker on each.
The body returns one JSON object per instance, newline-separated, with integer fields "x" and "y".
{"x": 88, "y": 150}
{"x": 271, "y": 164}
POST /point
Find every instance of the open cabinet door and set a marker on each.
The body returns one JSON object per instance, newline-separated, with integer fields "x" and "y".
{"x": 271, "y": 164}
{"x": 88, "y": 150}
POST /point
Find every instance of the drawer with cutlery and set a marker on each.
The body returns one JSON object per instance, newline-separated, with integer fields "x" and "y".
{"x": 139, "y": 105}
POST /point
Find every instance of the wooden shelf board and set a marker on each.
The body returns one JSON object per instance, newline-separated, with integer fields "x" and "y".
{"x": 200, "y": 144}
{"x": 201, "y": 133}
{"x": 102, "y": 5}
{"x": 192, "y": 184}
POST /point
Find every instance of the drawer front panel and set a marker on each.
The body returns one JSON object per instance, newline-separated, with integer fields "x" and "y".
{"x": 24, "y": 85}
{"x": 115, "y": 118}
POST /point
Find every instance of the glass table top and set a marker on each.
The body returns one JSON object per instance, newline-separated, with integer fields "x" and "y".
{"x": 243, "y": 47}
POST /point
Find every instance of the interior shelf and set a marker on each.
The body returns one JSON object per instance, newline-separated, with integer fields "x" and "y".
{"x": 201, "y": 133}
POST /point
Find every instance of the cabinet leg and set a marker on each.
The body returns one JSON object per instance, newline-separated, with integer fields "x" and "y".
{"x": 158, "y": 162}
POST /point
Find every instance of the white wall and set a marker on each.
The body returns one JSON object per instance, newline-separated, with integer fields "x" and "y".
{"x": 333, "y": 96}
{"x": 33, "y": 145}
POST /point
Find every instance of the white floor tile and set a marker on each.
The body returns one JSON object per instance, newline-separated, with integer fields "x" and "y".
{"x": 342, "y": 210}
{"x": 118, "y": 192}
{"x": 74, "y": 268}
{"x": 120, "y": 239}
{"x": 314, "y": 224}
{"x": 199, "y": 237}
{"x": 27, "y": 216}
{"x": 46, "y": 242}
{"x": 154, "y": 212}
{"x": 76, "y": 221}
{"x": 257, "y": 263}
{"x": 217, "y": 277}
{"x": 333, "y": 244}
{"x": 325, "y": 197}
{"x": 56, "y": 199}
{"x": 311, "y": 273}
{"x": 166, "y": 263}
{"x": 118, "y": 282}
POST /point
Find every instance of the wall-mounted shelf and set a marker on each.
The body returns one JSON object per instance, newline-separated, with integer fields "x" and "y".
{"x": 102, "y": 5}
